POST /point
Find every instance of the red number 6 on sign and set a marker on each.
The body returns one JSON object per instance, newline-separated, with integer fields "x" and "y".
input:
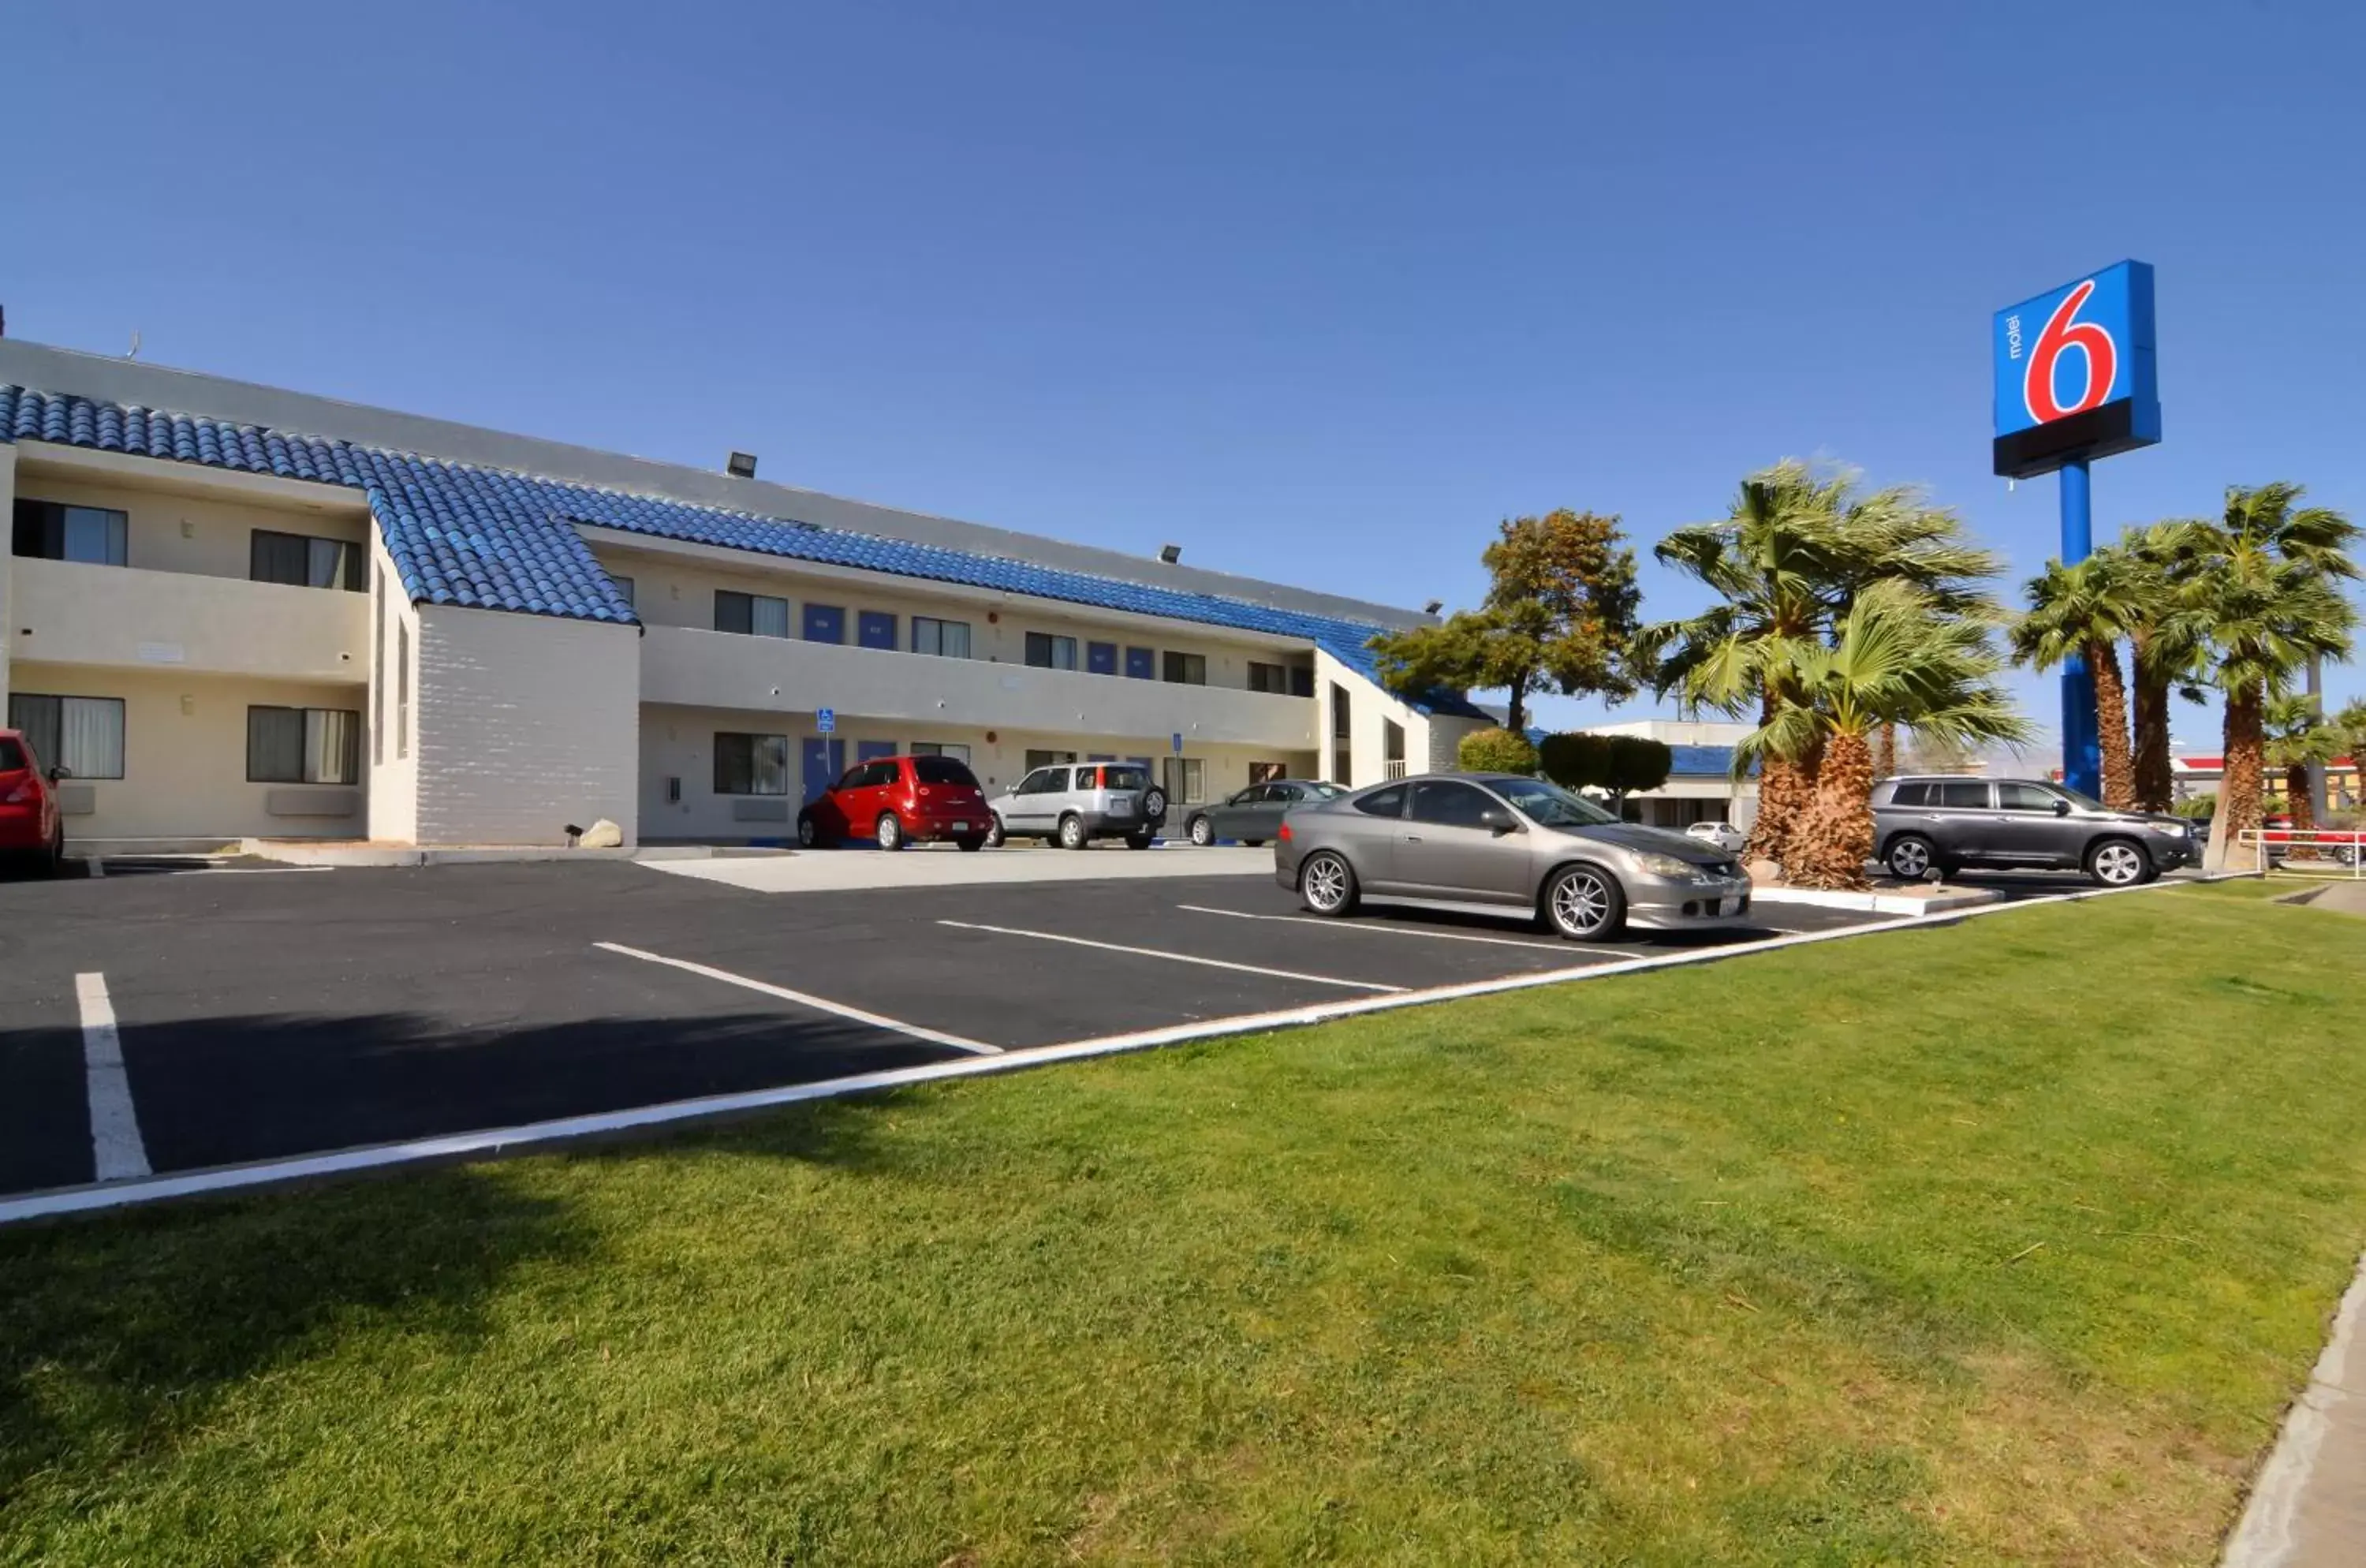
{"x": 2061, "y": 333}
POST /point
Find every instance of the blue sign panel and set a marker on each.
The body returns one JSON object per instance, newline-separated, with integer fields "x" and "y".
{"x": 825, "y": 720}
{"x": 1178, "y": 743}
{"x": 2074, "y": 372}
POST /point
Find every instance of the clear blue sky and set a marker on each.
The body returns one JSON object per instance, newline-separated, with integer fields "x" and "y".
{"x": 1319, "y": 292}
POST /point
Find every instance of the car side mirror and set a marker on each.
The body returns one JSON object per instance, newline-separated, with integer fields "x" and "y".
{"x": 1499, "y": 823}
{"x": 2061, "y": 807}
{"x": 60, "y": 774}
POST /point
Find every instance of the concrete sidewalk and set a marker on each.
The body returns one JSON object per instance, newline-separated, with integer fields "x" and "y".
{"x": 2308, "y": 1504}
{"x": 2343, "y": 897}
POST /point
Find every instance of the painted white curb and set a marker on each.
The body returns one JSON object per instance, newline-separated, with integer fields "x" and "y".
{"x": 229, "y": 1179}
{"x": 1880, "y": 903}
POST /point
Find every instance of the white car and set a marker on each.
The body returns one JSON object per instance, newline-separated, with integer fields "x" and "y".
{"x": 1720, "y": 835}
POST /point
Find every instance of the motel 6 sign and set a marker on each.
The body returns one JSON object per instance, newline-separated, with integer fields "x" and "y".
{"x": 2075, "y": 373}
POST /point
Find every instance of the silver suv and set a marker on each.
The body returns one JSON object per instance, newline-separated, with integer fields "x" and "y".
{"x": 1072, "y": 804}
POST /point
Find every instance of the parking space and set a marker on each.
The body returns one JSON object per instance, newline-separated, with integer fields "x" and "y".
{"x": 257, "y": 1017}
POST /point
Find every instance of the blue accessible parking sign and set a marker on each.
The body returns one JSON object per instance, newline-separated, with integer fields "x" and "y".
{"x": 825, "y": 720}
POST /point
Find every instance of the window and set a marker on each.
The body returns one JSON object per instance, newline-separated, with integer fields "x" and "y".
{"x": 945, "y": 749}
{"x": 1125, "y": 775}
{"x": 92, "y": 535}
{"x": 2024, "y": 797}
{"x": 1552, "y": 805}
{"x": 1046, "y": 759}
{"x": 623, "y": 587}
{"x": 751, "y": 615}
{"x": 1273, "y": 678}
{"x": 1911, "y": 795}
{"x": 82, "y": 734}
{"x": 1187, "y": 668}
{"x": 1265, "y": 773}
{"x": 1045, "y": 651}
{"x": 875, "y": 629}
{"x": 403, "y": 689}
{"x": 1301, "y": 681}
{"x": 1389, "y": 802}
{"x": 1045, "y": 781}
{"x": 1186, "y": 780}
{"x": 947, "y": 639}
{"x": 1963, "y": 794}
{"x": 1452, "y": 805}
{"x": 303, "y": 562}
{"x": 12, "y": 755}
{"x": 317, "y": 746}
{"x": 868, "y": 775}
{"x": 944, "y": 770}
{"x": 751, "y": 764}
{"x": 1140, "y": 664}
{"x": 825, "y": 623}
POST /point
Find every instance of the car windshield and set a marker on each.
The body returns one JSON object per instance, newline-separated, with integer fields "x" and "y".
{"x": 2087, "y": 801}
{"x": 1549, "y": 805}
{"x": 1322, "y": 791}
{"x": 942, "y": 771}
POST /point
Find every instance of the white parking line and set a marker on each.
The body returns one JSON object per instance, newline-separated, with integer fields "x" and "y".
{"x": 1390, "y": 930}
{"x": 819, "y": 1004}
{"x": 1176, "y": 957}
{"x": 117, "y": 1150}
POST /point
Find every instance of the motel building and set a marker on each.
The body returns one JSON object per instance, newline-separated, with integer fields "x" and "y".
{"x": 236, "y": 612}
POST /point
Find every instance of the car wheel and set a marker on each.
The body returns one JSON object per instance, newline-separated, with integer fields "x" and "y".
{"x": 55, "y": 863}
{"x": 970, "y": 845}
{"x": 2115, "y": 863}
{"x": 1584, "y": 903}
{"x": 994, "y": 834}
{"x": 1154, "y": 803}
{"x": 1910, "y": 857}
{"x": 890, "y": 830}
{"x": 1326, "y": 884}
{"x": 808, "y": 835}
{"x": 1137, "y": 841}
{"x": 1203, "y": 832}
{"x": 1071, "y": 832}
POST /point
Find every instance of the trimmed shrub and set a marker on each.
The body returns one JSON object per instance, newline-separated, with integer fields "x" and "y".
{"x": 1495, "y": 751}
{"x": 1621, "y": 764}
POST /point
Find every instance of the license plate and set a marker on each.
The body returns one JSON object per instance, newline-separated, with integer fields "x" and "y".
{"x": 961, "y": 827}
{"x": 1730, "y": 906}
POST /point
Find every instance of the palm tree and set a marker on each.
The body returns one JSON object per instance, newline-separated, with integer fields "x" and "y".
{"x": 1792, "y": 554}
{"x": 2167, "y": 648}
{"x": 1898, "y": 656}
{"x": 2262, "y": 590}
{"x": 2350, "y": 722}
{"x": 2298, "y": 736}
{"x": 2085, "y": 610}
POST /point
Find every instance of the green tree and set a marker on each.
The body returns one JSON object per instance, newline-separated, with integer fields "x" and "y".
{"x": 2168, "y": 649}
{"x": 2086, "y": 610}
{"x": 1559, "y": 615}
{"x": 1495, "y": 751}
{"x": 2298, "y": 735}
{"x": 1897, "y": 656}
{"x": 2263, "y": 590}
{"x": 1795, "y": 551}
{"x": 1618, "y": 764}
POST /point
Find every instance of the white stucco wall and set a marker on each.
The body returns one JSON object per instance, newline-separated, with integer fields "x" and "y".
{"x": 1370, "y": 709}
{"x": 7, "y": 614}
{"x": 389, "y": 754}
{"x": 525, "y": 724}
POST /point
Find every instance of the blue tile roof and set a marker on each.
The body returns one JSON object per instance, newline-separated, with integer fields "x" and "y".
{"x": 496, "y": 540}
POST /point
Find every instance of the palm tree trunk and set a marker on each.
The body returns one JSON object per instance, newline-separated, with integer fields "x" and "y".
{"x": 1885, "y": 752}
{"x": 2155, "y": 779}
{"x": 1836, "y": 838}
{"x": 2238, "y": 793}
{"x": 2303, "y": 809}
{"x": 2111, "y": 726}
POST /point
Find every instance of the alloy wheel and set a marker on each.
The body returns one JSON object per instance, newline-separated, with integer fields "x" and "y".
{"x": 891, "y": 831}
{"x": 1325, "y": 883}
{"x": 2118, "y": 865}
{"x": 1581, "y": 903}
{"x": 1911, "y": 858}
{"x": 1203, "y": 832}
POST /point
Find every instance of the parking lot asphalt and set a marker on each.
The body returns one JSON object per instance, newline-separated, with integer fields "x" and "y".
{"x": 173, "y": 1023}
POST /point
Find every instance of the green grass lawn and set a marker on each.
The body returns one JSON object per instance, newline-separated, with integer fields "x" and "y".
{"x": 2007, "y": 1242}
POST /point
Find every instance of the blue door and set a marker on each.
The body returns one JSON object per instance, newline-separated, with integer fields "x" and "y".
{"x": 871, "y": 750}
{"x": 824, "y": 760}
{"x": 1141, "y": 664}
{"x": 875, "y": 629}
{"x": 825, "y": 623}
{"x": 1100, "y": 658}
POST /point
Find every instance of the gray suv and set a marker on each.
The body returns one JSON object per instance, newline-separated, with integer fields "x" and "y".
{"x": 1499, "y": 843}
{"x": 1072, "y": 804}
{"x": 1950, "y": 823}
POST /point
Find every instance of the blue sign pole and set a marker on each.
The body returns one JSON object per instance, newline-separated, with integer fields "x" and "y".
{"x": 2082, "y": 748}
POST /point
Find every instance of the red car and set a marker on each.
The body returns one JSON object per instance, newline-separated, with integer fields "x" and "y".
{"x": 897, "y": 800}
{"x": 2282, "y": 843}
{"x": 30, "y": 828}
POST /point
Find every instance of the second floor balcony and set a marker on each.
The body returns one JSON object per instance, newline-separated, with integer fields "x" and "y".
{"x": 73, "y": 613}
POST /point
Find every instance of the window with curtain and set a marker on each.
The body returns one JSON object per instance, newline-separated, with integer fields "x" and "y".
{"x": 301, "y": 561}
{"x": 751, "y": 615}
{"x": 949, "y": 639}
{"x": 82, "y": 734}
{"x": 751, "y": 764}
{"x": 1187, "y": 668}
{"x": 1045, "y": 651}
{"x": 94, "y": 536}
{"x": 319, "y": 745}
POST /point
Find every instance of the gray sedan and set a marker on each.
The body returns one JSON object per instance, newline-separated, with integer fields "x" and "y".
{"x": 1255, "y": 814}
{"x": 1501, "y": 844}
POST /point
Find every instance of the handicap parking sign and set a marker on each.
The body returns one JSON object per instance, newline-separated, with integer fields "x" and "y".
{"x": 1178, "y": 743}
{"x": 825, "y": 720}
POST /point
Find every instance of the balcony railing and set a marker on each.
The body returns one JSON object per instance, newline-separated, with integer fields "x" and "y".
{"x": 703, "y": 669}
{"x": 1394, "y": 768}
{"x": 73, "y": 613}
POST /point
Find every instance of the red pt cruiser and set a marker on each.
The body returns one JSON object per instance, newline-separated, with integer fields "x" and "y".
{"x": 30, "y": 828}
{"x": 897, "y": 800}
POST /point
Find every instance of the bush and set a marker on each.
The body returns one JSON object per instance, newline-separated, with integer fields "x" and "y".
{"x": 2199, "y": 807}
{"x": 1622, "y": 764}
{"x": 1495, "y": 751}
